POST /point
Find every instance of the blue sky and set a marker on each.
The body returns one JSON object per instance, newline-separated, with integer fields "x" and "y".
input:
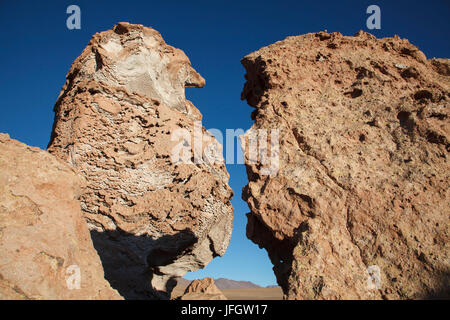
{"x": 38, "y": 49}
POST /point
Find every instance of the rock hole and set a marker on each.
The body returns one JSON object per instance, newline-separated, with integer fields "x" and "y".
{"x": 406, "y": 121}
{"x": 355, "y": 93}
{"x": 332, "y": 45}
{"x": 407, "y": 51}
{"x": 439, "y": 116}
{"x": 434, "y": 137}
{"x": 362, "y": 137}
{"x": 323, "y": 36}
{"x": 423, "y": 94}
{"x": 410, "y": 73}
{"x": 98, "y": 61}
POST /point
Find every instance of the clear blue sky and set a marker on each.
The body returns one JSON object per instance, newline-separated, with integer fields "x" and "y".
{"x": 38, "y": 49}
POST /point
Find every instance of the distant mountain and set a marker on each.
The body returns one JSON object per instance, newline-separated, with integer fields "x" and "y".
{"x": 226, "y": 284}
{"x": 223, "y": 284}
{"x": 183, "y": 283}
{"x": 273, "y": 286}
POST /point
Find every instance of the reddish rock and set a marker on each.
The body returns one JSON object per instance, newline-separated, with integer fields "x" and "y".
{"x": 363, "y": 179}
{"x": 203, "y": 289}
{"x": 44, "y": 240}
{"x": 151, "y": 219}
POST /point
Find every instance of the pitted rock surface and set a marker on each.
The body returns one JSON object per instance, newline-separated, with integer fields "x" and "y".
{"x": 363, "y": 179}
{"x": 46, "y": 250}
{"x": 116, "y": 122}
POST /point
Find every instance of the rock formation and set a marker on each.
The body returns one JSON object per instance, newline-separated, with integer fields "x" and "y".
{"x": 359, "y": 204}
{"x": 203, "y": 289}
{"x": 223, "y": 284}
{"x": 119, "y": 119}
{"x": 44, "y": 241}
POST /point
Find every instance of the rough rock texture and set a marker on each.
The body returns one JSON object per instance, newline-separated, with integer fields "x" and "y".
{"x": 115, "y": 120}
{"x": 364, "y": 169}
{"x": 203, "y": 289}
{"x": 42, "y": 232}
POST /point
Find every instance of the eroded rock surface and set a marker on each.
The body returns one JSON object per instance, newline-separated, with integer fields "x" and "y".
{"x": 363, "y": 179}
{"x": 44, "y": 241}
{"x": 115, "y": 122}
{"x": 203, "y": 289}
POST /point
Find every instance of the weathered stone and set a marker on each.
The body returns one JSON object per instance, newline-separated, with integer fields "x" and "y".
{"x": 203, "y": 289}
{"x": 150, "y": 218}
{"x": 364, "y": 169}
{"x": 44, "y": 240}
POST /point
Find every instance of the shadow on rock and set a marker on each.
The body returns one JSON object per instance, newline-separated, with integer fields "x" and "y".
{"x": 131, "y": 262}
{"x": 441, "y": 292}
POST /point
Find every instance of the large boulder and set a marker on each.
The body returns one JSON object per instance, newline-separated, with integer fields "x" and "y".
{"x": 121, "y": 120}
{"x": 46, "y": 250}
{"x": 203, "y": 289}
{"x": 357, "y": 204}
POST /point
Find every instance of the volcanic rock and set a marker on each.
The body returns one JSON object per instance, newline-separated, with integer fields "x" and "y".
{"x": 46, "y": 250}
{"x": 358, "y": 205}
{"x": 119, "y": 120}
{"x": 203, "y": 289}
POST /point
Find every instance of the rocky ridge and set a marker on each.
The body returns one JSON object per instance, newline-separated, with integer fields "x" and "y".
{"x": 202, "y": 289}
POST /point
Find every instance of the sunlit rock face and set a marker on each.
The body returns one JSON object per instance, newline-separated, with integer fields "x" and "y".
{"x": 203, "y": 289}
{"x": 359, "y": 207}
{"x": 46, "y": 251}
{"x": 151, "y": 219}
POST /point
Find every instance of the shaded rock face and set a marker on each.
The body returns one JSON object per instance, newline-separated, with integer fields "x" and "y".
{"x": 151, "y": 219}
{"x": 203, "y": 289}
{"x": 44, "y": 241}
{"x": 359, "y": 207}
